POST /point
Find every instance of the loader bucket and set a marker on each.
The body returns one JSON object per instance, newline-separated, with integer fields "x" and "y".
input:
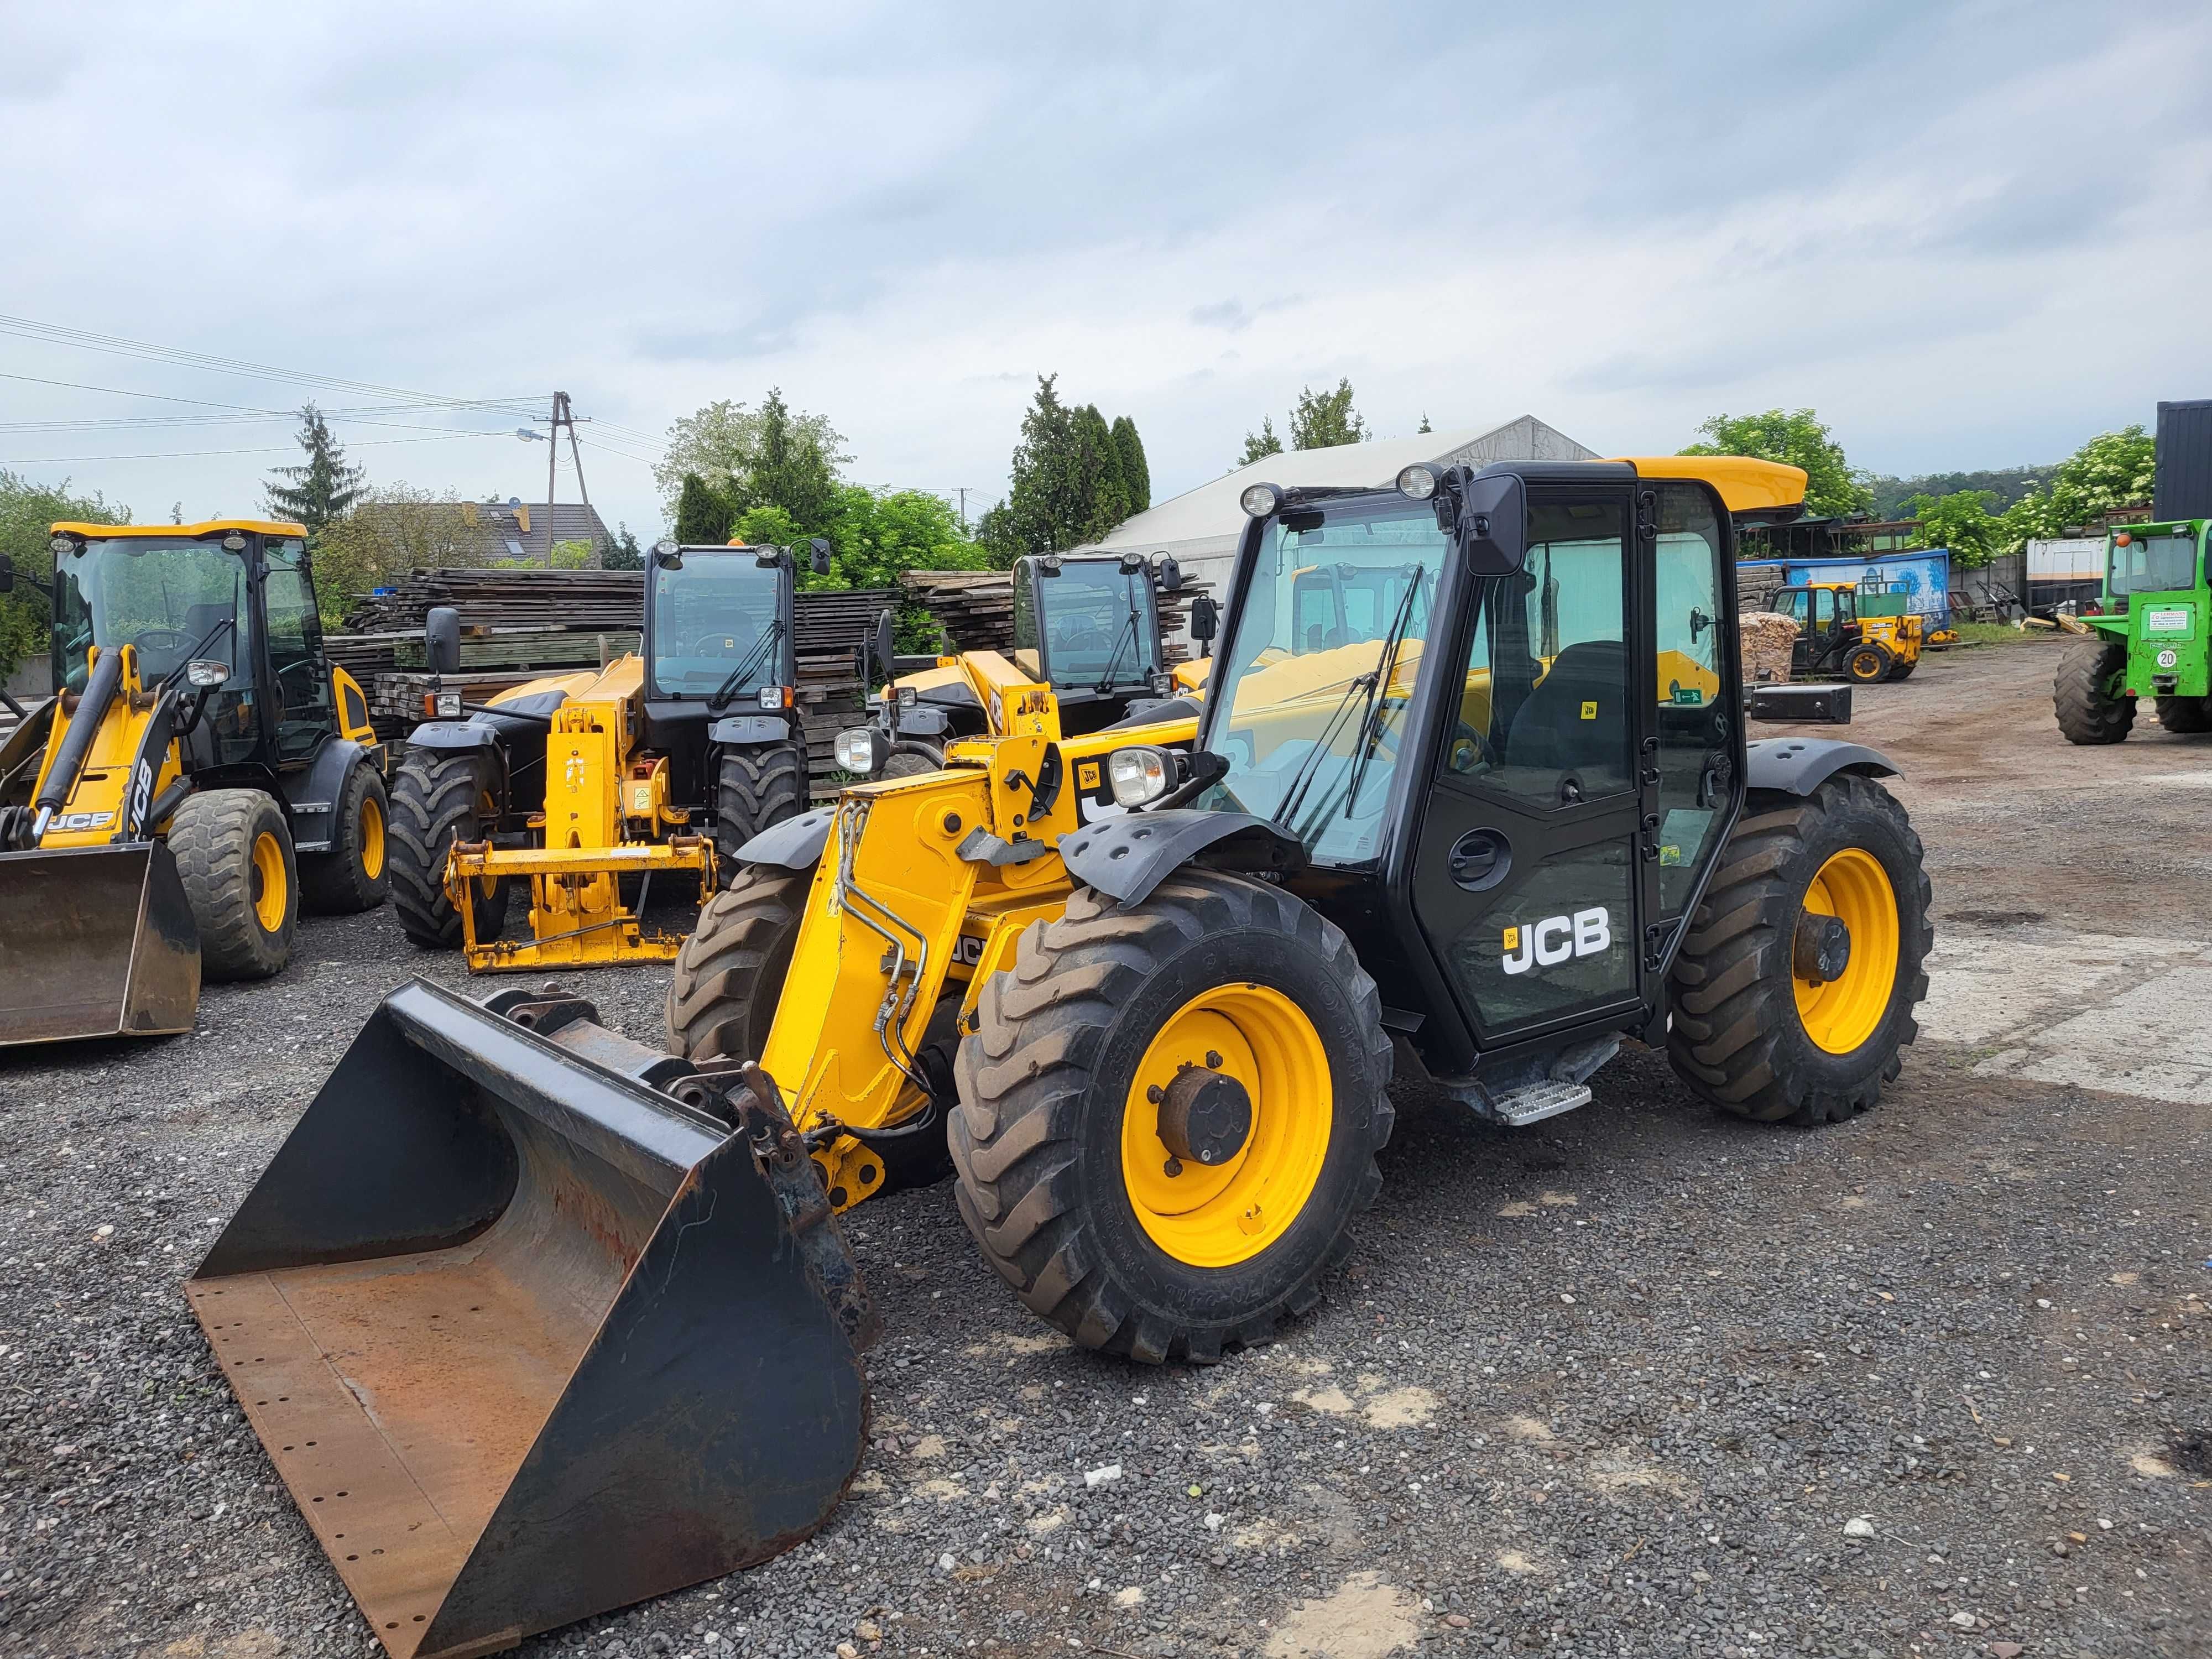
{"x": 530, "y": 1332}
{"x": 100, "y": 943}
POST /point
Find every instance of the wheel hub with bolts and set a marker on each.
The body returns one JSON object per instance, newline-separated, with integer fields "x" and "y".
{"x": 1205, "y": 1116}
{"x": 1821, "y": 950}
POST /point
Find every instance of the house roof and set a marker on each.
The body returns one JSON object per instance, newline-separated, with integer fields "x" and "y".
{"x": 1210, "y": 514}
{"x": 515, "y": 529}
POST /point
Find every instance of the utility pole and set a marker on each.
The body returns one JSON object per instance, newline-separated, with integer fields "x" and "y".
{"x": 964, "y": 509}
{"x": 564, "y": 414}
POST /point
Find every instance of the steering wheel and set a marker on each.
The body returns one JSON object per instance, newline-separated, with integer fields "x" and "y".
{"x": 158, "y": 642}
{"x": 1082, "y": 636}
{"x": 1470, "y": 749}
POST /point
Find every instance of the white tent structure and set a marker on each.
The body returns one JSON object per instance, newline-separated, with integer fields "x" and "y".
{"x": 1200, "y": 527}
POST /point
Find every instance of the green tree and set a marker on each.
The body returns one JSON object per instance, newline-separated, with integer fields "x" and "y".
{"x": 1323, "y": 420}
{"x": 703, "y": 514}
{"x": 1103, "y": 491}
{"x": 790, "y": 469}
{"x": 28, "y": 513}
{"x": 392, "y": 529}
{"x": 2112, "y": 469}
{"x": 1960, "y": 522}
{"x": 1136, "y": 473}
{"x": 720, "y": 441}
{"x": 1832, "y": 490}
{"x": 320, "y": 491}
{"x": 1425, "y": 426}
{"x": 622, "y": 551}
{"x": 1258, "y": 446}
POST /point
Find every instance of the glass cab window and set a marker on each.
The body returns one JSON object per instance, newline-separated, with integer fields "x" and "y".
{"x": 306, "y": 704}
{"x": 1094, "y": 622}
{"x": 2159, "y": 563}
{"x": 715, "y": 626}
{"x": 1327, "y": 656}
{"x": 173, "y": 599}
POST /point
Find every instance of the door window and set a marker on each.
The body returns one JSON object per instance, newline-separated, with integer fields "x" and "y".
{"x": 306, "y": 711}
{"x": 1545, "y": 714}
{"x": 1025, "y": 621}
{"x": 1692, "y": 725}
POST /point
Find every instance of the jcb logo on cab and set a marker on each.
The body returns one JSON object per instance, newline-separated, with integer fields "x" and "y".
{"x": 1553, "y": 940}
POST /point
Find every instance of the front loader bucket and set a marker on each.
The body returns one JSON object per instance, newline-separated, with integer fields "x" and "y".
{"x": 100, "y": 942}
{"x": 529, "y": 1331}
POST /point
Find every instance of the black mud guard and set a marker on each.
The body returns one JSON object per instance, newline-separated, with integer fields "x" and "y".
{"x": 921, "y": 721}
{"x": 449, "y": 735}
{"x": 1125, "y": 858}
{"x": 732, "y": 730}
{"x": 314, "y": 794}
{"x": 1798, "y": 766}
{"x": 1152, "y": 711}
{"x": 794, "y": 844}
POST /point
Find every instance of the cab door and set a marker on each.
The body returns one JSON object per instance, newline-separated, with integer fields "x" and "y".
{"x": 1528, "y": 872}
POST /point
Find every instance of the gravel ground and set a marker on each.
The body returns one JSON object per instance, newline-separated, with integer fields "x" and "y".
{"x": 1644, "y": 1380}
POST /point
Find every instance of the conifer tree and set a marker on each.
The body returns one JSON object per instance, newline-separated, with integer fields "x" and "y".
{"x": 322, "y": 490}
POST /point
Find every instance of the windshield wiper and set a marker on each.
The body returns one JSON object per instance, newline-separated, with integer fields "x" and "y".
{"x": 745, "y": 668}
{"x": 1126, "y": 637}
{"x": 1294, "y": 795}
{"x": 1371, "y": 725}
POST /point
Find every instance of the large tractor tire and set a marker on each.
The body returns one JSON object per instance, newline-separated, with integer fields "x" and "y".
{"x": 756, "y": 789}
{"x": 233, "y": 853}
{"x": 1902, "y": 670}
{"x": 729, "y": 974}
{"x": 355, "y": 874}
{"x": 2185, "y": 716}
{"x": 1770, "y": 1019}
{"x": 1868, "y": 663}
{"x": 1170, "y": 1113}
{"x": 910, "y": 758}
{"x": 438, "y": 799}
{"x": 2087, "y": 692}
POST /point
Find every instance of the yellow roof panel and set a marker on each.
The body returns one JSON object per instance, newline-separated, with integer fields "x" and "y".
{"x": 1745, "y": 485}
{"x": 181, "y": 531}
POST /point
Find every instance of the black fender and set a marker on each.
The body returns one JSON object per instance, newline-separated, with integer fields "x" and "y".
{"x": 920, "y": 720}
{"x": 794, "y": 844}
{"x": 453, "y": 734}
{"x": 1798, "y": 766}
{"x": 734, "y": 731}
{"x": 311, "y": 796}
{"x": 1125, "y": 858}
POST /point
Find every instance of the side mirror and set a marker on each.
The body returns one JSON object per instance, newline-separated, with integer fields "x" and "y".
{"x": 441, "y": 639}
{"x": 1204, "y": 618}
{"x": 7, "y": 574}
{"x": 1492, "y": 526}
{"x": 883, "y": 645}
{"x": 1169, "y": 573}
{"x": 819, "y": 556}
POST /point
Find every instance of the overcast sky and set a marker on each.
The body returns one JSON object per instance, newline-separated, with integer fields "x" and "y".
{"x": 1968, "y": 235}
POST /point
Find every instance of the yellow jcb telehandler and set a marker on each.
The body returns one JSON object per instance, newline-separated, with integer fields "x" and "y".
{"x": 583, "y": 787}
{"x": 1086, "y": 625}
{"x": 200, "y": 769}
{"x": 1511, "y": 822}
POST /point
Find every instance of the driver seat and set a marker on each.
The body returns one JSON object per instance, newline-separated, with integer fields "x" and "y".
{"x": 1577, "y": 718}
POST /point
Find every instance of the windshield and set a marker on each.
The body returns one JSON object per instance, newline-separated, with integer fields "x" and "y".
{"x": 2156, "y": 563}
{"x": 1084, "y": 615}
{"x": 710, "y": 617}
{"x": 1308, "y": 713}
{"x": 170, "y": 598}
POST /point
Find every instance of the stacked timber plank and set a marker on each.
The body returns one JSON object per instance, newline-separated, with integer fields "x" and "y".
{"x": 503, "y": 598}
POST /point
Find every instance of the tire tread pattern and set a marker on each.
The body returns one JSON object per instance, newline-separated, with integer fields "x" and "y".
{"x": 434, "y": 798}
{"x": 756, "y": 789}
{"x": 736, "y": 953}
{"x": 1024, "y": 1076}
{"x": 2086, "y": 715}
{"x": 211, "y": 836}
{"x": 334, "y": 882}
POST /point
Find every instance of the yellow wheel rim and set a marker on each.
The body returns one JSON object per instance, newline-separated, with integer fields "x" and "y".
{"x": 372, "y": 837}
{"x": 1842, "y": 1013}
{"x": 269, "y": 888}
{"x": 1218, "y": 1215}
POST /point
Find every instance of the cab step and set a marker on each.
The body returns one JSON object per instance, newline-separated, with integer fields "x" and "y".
{"x": 1531, "y": 1103}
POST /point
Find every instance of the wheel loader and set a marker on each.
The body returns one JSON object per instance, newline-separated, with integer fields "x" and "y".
{"x": 1086, "y": 625}
{"x": 2148, "y": 641}
{"x": 1510, "y": 822}
{"x": 1846, "y": 632}
{"x": 583, "y": 788}
{"x": 200, "y": 772}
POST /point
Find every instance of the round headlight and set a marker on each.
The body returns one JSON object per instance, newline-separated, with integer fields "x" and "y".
{"x": 1261, "y": 499}
{"x": 855, "y": 750}
{"x": 1137, "y": 775}
{"x": 1418, "y": 481}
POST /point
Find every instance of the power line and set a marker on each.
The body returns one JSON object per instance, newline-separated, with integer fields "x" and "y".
{"x": 181, "y": 454}
{"x": 117, "y": 345}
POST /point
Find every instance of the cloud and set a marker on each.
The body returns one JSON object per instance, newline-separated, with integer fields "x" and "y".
{"x": 1619, "y": 218}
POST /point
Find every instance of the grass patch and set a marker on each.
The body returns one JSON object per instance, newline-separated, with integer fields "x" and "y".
{"x": 1980, "y": 632}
